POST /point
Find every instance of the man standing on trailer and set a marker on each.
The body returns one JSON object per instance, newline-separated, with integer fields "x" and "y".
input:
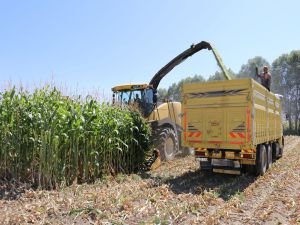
{"x": 265, "y": 77}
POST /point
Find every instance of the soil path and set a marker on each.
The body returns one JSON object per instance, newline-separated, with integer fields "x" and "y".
{"x": 275, "y": 197}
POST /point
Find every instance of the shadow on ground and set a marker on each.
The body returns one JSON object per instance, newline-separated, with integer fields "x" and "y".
{"x": 12, "y": 190}
{"x": 197, "y": 182}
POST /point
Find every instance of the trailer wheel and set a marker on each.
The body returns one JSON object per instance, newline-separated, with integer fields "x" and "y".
{"x": 275, "y": 151}
{"x": 281, "y": 148}
{"x": 280, "y": 152}
{"x": 261, "y": 160}
{"x": 269, "y": 156}
{"x": 168, "y": 144}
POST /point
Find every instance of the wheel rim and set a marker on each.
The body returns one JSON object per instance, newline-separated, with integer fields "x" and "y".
{"x": 169, "y": 146}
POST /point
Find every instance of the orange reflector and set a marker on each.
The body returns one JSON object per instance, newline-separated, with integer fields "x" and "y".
{"x": 247, "y": 156}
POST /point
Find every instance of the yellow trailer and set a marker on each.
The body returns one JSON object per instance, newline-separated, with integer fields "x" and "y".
{"x": 232, "y": 124}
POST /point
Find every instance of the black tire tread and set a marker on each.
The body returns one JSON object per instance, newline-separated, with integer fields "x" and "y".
{"x": 261, "y": 165}
{"x": 163, "y": 136}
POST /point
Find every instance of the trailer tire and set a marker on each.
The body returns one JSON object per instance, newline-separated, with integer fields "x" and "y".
{"x": 280, "y": 152}
{"x": 168, "y": 144}
{"x": 261, "y": 160}
{"x": 281, "y": 148}
{"x": 269, "y": 156}
{"x": 275, "y": 151}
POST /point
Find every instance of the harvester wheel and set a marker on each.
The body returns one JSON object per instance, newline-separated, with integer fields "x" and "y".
{"x": 261, "y": 160}
{"x": 168, "y": 144}
{"x": 269, "y": 156}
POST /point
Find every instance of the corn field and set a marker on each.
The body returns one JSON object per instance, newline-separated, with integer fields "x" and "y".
{"x": 49, "y": 139}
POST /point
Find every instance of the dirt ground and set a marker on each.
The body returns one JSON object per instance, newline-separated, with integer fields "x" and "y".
{"x": 176, "y": 193}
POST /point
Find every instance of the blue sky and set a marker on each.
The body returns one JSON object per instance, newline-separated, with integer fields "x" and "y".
{"x": 94, "y": 45}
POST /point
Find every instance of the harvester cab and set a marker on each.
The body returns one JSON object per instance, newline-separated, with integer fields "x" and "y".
{"x": 139, "y": 96}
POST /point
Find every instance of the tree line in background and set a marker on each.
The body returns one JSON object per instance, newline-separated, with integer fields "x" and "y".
{"x": 285, "y": 72}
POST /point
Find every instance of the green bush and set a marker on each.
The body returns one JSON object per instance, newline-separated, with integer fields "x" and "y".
{"x": 49, "y": 139}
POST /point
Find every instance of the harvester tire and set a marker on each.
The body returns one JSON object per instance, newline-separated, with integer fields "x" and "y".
{"x": 261, "y": 160}
{"x": 168, "y": 144}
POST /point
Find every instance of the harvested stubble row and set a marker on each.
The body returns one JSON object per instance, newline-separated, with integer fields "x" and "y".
{"x": 49, "y": 139}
